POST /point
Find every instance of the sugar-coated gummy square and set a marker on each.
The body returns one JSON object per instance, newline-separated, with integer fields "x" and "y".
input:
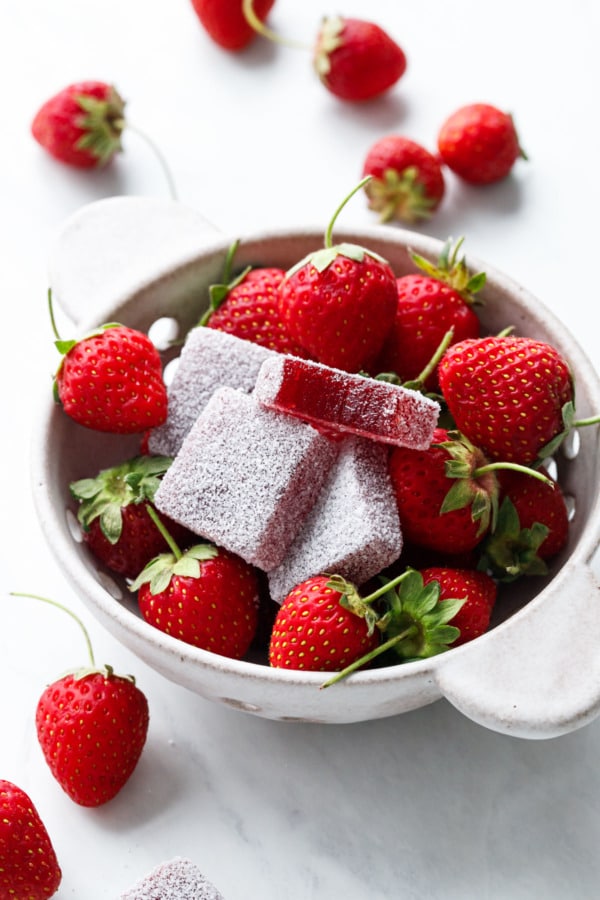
{"x": 246, "y": 477}
{"x": 353, "y": 530}
{"x": 179, "y": 879}
{"x": 331, "y": 399}
{"x": 209, "y": 359}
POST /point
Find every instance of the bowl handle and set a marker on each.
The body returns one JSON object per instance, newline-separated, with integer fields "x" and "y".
{"x": 109, "y": 248}
{"x": 538, "y": 674}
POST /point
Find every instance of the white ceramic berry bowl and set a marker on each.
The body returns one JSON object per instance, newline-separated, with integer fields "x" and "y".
{"x": 535, "y": 674}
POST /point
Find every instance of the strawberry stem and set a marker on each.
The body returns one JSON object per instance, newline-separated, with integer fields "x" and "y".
{"x": 515, "y": 467}
{"x": 160, "y": 525}
{"x": 259, "y": 26}
{"x": 52, "y": 319}
{"x": 329, "y": 232}
{"x": 429, "y": 368}
{"x": 159, "y": 156}
{"x": 373, "y": 654}
{"x": 581, "y": 423}
{"x": 69, "y": 612}
{"x": 388, "y": 586}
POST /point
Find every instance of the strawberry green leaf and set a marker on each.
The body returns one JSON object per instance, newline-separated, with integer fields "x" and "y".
{"x": 511, "y": 551}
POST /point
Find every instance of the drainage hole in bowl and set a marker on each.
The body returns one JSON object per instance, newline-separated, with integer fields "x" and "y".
{"x": 163, "y": 332}
{"x": 169, "y": 370}
{"x": 571, "y": 444}
{"x": 551, "y": 468}
{"x": 74, "y": 526}
{"x": 109, "y": 585}
{"x": 240, "y": 704}
{"x": 570, "y": 504}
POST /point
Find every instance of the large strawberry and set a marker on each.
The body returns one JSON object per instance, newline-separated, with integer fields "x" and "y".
{"x": 92, "y": 726}
{"x": 339, "y": 302}
{"x": 206, "y": 596}
{"x": 111, "y": 380}
{"x": 29, "y": 868}
{"x": 446, "y": 495}
{"x": 407, "y": 181}
{"x": 479, "y": 592}
{"x": 81, "y": 125}
{"x": 247, "y": 306}
{"x": 532, "y": 527}
{"x": 113, "y": 514}
{"x": 226, "y": 22}
{"x": 355, "y": 59}
{"x": 511, "y": 396}
{"x": 431, "y": 302}
{"x": 479, "y": 143}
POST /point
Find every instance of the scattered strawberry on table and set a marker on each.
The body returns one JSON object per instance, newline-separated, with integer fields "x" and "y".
{"x": 479, "y": 143}
{"x": 91, "y": 726}
{"x": 225, "y": 22}
{"x": 29, "y": 867}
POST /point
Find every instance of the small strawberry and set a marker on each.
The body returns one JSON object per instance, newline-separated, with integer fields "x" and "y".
{"x": 339, "y": 302}
{"x": 430, "y": 303}
{"x": 323, "y": 625}
{"x": 82, "y": 124}
{"x": 207, "y": 597}
{"x": 226, "y": 22}
{"x": 247, "y": 306}
{"x": 114, "y": 517}
{"x": 511, "y": 396}
{"x": 479, "y": 143}
{"x": 29, "y": 869}
{"x": 92, "y": 726}
{"x": 407, "y": 181}
{"x": 446, "y": 495}
{"x": 357, "y": 60}
{"x": 111, "y": 380}
{"x": 479, "y": 592}
{"x": 532, "y": 527}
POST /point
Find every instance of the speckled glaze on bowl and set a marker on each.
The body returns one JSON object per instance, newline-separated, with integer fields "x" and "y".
{"x": 535, "y": 674}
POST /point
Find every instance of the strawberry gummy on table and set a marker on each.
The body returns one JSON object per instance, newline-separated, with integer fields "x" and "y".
{"x": 353, "y": 528}
{"x": 330, "y": 399}
{"x": 246, "y": 477}
{"x": 179, "y": 878}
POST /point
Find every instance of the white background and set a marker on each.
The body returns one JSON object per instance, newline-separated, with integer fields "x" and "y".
{"x": 427, "y": 805}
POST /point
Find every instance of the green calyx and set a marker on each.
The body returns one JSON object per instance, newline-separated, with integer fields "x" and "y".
{"x": 414, "y": 622}
{"x": 102, "y": 122}
{"x": 330, "y": 38}
{"x": 512, "y": 551}
{"x": 475, "y": 484}
{"x": 400, "y": 195}
{"x": 453, "y": 271}
{"x": 106, "y": 495}
{"x": 218, "y": 293}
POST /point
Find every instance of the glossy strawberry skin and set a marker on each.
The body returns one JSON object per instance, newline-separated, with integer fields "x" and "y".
{"x": 506, "y": 394}
{"x": 225, "y": 22}
{"x": 481, "y": 591}
{"x": 92, "y": 730}
{"x": 313, "y": 632}
{"x": 217, "y": 611}
{"x": 28, "y": 864}
{"x": 340, "y": 315}
{"x": 427, "y": 308}
{"x": 112, "y": 382}
{"x": 479, "y": 143}
{"x": 357, "y": 60}
{"x": 251, "y": 312}
{"x": 58, "y": 125}
{"x": 420, "y": 484}
{"x": 407, "y": 182}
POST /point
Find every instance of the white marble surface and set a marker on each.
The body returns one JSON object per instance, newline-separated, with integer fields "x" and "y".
{"x": 427, "y": 805}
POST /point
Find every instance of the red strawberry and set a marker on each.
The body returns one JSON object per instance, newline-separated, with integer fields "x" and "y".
{"x": 92, "y": 726}
{"x": 111, "y": 380}
{"x": 339, "y": 303}
{"x": 323, "y": 625}
{"x": 226, "y": 22}
{"x": 479, "y": 143}
{"x": 247, "y": 306}
{"x": 357, "y": 60}
{"x": 82, "y": 124}
{"x": 114, "y": 517}
{"x": 446, "y": 496}
{"x": 533, "y": 526}
{"x": 511, "y": 396}
{"x": 207, "y": 597}
{"x": 29, "y": 868}
{"x": 479, "y": 592}
{"x": 407, "y": 181}
{"x": 429, "y": 305}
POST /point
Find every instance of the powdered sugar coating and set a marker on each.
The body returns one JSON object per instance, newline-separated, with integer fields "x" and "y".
{"x": 180, "y": 879}
{"x": 331, "y": 399}
{"x": 246, "y": 477}
{"x": 209, "y": 359}
{"x": 353, "y": 530}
